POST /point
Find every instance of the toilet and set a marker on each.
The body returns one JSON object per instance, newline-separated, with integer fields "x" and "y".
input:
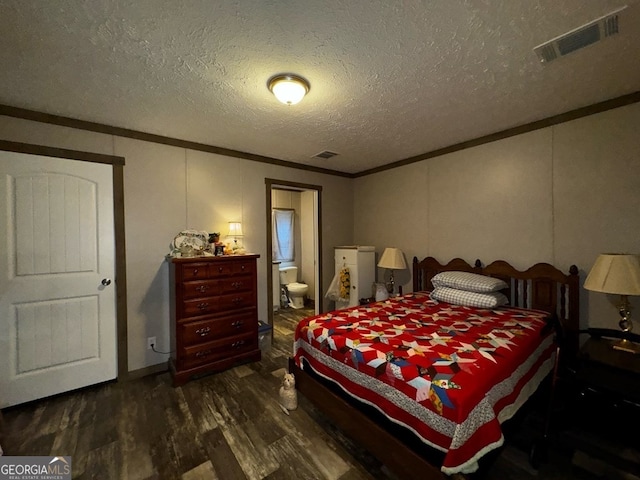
{"x": 297, "y": 291}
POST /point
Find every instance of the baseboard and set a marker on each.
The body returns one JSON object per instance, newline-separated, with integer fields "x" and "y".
{"x": 145, "y": 372}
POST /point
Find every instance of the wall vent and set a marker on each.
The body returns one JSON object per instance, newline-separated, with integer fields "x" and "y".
{"x": 580, "y": 37}
{"x": 325, "y": 154}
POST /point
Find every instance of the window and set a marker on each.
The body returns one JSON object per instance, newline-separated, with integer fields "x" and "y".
{"x": 283, "y": 236}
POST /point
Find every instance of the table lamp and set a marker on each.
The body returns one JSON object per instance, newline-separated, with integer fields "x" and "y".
{"x": 235, "y": 231}
{"x": 618, "y": 274}
{"x": 393, "y": 259}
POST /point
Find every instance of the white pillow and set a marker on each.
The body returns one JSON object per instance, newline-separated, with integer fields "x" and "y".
{"x": 472, "y": 282}
{"x": 469, "y": 299}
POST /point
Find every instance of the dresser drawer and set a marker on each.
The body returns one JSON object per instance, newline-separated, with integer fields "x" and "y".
{"x": 207, "y": 330}
{"x": 221, "y": 269}
{"x": 243, "y": 266}
{"x": 200, "y": 306}
{"x": 236, "y": 283}
{"x": 210, "y": 352}
{"x": 193, "y": 270}
{"x": 232, "y": 268}
{"x": 202, "y": 288}
{"x": 235, "y": 301}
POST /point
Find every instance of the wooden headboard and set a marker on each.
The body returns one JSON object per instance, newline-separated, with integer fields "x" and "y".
{"x": 541, "y": 287}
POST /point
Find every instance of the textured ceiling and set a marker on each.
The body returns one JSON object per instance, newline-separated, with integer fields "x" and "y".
{"x": 389, "y": 80}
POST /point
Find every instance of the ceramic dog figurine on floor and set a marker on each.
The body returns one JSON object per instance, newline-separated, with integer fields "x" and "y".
{"x": 288, "y": 393}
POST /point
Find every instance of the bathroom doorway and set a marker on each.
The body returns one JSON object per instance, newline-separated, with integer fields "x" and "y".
{"x": 305, "y": 201}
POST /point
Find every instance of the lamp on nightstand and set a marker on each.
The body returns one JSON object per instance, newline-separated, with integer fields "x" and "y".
{"x": 393, "y": 259}
{"x": 618, "y": 274}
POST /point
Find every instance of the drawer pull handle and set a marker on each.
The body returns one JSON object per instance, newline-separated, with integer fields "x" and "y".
{"x": 242, "y": 267}
{"x": 195, "y": 271}
{"x": 203, "y": 332}
{"x": 237, "y": 323}
{"x": 203, "y": 305}
{"x": 237, "y": 344}
{"x": 236, "y": 285}
{"x": 203, "y": 353}
{"x": 202, "y": 288}
{"x": 220, "y": 269}
{"x": 237, "y": 300}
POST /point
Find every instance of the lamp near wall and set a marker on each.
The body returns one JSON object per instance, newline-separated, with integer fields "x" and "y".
{"x": 288, "y": 88}
{"x": 235, "y": 231}
{"x": 393, "y": 259}
{"x": 618, "y": 274}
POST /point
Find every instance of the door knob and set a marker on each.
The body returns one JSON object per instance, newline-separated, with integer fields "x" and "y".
{"x": 106, "y": 282}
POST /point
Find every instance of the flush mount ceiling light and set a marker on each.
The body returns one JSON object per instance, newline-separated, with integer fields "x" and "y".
{"x": 288, "y": 88}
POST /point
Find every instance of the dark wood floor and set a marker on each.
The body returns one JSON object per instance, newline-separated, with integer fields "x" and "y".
{"x": 222, "y": 426}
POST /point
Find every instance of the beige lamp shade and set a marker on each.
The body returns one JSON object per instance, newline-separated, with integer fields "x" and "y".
{"x": 615, "y": 273}
{"x": 392, "y": 258}
{"x": 235, "y": 229}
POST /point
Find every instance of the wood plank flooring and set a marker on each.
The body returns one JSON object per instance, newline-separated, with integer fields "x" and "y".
{"x": 223, "y": 426}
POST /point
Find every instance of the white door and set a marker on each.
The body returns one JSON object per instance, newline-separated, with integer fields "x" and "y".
{"x": 57, "y": 315}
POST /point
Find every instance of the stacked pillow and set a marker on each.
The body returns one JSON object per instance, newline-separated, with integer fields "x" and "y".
{"x": 469, "y": 289}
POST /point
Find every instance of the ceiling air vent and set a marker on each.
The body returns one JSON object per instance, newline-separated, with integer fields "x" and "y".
{"x": 325, "y": 154}
{"x": 580, "y": 37}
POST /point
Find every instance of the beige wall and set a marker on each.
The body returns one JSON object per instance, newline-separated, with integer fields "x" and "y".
{"x": 561, "y": 195}
{"x": 168, "y": 189}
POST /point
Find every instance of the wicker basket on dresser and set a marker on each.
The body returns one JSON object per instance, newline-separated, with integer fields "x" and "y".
{"x": 214, "y": 314}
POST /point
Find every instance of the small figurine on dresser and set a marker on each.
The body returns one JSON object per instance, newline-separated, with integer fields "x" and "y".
{"x": 215, "y": 245}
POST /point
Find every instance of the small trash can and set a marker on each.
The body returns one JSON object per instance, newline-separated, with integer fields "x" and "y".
{"x": 264, "y": 336}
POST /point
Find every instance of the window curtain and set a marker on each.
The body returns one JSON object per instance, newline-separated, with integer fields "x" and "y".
{"x": 283, "y": 238}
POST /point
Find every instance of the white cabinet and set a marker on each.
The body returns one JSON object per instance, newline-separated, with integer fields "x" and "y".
{"x": 360, "y": 260}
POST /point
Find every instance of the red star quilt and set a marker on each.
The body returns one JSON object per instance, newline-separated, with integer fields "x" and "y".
{"x": 450, "y": 374}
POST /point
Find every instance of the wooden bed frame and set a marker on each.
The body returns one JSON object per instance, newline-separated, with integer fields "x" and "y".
{"x": 541, "y": 287}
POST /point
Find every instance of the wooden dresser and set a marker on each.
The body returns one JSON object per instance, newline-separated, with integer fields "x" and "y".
{"x": 214, "y": 314}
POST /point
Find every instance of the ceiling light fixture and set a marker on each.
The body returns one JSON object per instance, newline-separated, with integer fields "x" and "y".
{"x": 288, "y": 88}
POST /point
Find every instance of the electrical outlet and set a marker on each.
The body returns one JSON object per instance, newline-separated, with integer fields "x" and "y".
{"x": 151, "y": 342}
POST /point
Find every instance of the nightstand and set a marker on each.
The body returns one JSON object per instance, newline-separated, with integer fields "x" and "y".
{"x": 603, "y": 402}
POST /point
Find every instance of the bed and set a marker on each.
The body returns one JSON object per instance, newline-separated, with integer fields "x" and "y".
{"x": 425, "y": 385}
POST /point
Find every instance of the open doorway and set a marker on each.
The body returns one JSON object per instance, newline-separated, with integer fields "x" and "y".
{"x": 305, "y": 202}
